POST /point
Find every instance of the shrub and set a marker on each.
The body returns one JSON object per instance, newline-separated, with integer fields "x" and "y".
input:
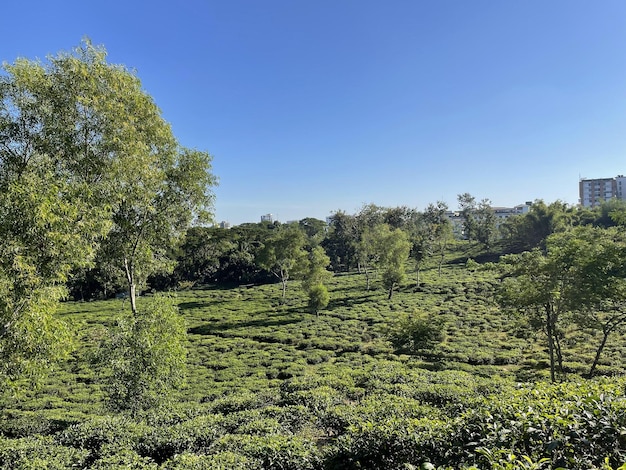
{"x": 145, "y": 356}
{"x": 274, "y": 452}
{"x": 417, "y": 334}
{"x": 30, "y": 453}
{"x": 220, "y": 461}
{"x": 318, "y": 298}
{"x": 97, "y": 433}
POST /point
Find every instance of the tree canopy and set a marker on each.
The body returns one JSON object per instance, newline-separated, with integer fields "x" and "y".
{"x": 88, "y": 167}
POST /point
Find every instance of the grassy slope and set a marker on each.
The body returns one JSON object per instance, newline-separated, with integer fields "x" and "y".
{"x": 249, "y": 352}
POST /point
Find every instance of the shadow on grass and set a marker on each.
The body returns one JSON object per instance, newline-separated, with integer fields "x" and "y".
{"x": 217, "y": 326}
{"x": 202, "y": 304}
{"x": 368, "y": 296}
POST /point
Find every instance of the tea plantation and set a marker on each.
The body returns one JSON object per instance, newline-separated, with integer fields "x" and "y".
{"x": 272, "y": 386}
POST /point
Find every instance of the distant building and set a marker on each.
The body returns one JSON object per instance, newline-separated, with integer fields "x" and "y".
{"x": 506, "y": 212}
{"x": 224, "y": 224}
{"x": 267, "y": 218}
{"x": 593, "y": 192}
{"x": 502, "y": 213}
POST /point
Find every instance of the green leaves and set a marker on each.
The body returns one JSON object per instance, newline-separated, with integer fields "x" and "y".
{"x": 283, "y": 255}
{"x": 144, "y": 357}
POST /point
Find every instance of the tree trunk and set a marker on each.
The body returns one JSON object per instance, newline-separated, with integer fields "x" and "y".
{"x": 550, "y": 333}
{"x": 559, "y": 354}
{"x": 605, "y": 336}
{"x": 390, "y": 292}
{"x": 283, "y": 280}
{"x": 367, "y": 278}
{"x": 417, "y": 272}
{"x": 130, "y": 278}
{"x": 441, "y": 261}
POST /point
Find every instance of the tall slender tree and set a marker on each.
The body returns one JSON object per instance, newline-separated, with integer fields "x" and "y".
{"x": 440, "y": 229}
{"x": 283, "y": 255}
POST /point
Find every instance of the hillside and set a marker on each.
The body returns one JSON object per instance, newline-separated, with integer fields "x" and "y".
{"x": 273, "y": 386}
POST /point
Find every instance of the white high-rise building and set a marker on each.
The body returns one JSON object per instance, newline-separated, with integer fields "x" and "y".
{"x": 593, "y": 192}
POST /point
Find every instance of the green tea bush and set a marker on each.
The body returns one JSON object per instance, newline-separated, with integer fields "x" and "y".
{"x": 572, "y": 428}
{"x": 22, "y": 424}
{"x": 123, "y": 459}
{"x": 221, "y": 461}
{"x": 274, "y": 452}
{"x": 39, "y": 453}
{"x": 111, "y": 431}
{"x": 386, "y": 445}
{"x": 241, "y": 401}
{"x": 197, "y": 434}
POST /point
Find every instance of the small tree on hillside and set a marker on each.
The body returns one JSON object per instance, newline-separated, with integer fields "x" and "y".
{"x": 421, "y": 245}
{"x": 392, "y": 249}
{"x": 144, "y": 358}
{"x": 486, "y": 227}
{"x": 315, "y": 277}
{"x": 318, "y": 298}
{"x": 283, "y": 255}
{"x": 536, "y": 288}
{"x": 367, "y": 253}
{"x": 439, "y": 229}
{"x": 418, "y": 334}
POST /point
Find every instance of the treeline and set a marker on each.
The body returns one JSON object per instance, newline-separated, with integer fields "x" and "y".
{"x": 238, "y": 256}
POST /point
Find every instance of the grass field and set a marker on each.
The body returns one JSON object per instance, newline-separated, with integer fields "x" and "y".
{"x": 271, "y": 385}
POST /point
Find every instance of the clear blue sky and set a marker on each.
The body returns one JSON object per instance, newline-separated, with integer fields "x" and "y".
{"x": 313, "y": 106}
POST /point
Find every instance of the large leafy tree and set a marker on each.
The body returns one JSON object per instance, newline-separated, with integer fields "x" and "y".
{"x": 51, "y": 216}
{"x": 203, "y": 252}
{"x": 153, "y": 186}
{"x": 579, "y": 279}
{"x": 87, "y": 164}
{"x": 532, "y": 229}
{"x": 341, "y": 241}
{"x": 479, "y": 219}
{"x": 596, "y": 258}
{"x": 537, "y": 289}
{"x": 111, "y": 133}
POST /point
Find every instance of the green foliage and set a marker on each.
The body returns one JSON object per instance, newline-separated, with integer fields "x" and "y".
{"x": 283, "y": 255}
{"x": 86, "y": 164}
{"x": 479, "y": 220}
{"x": 532, "y": 229}
{"x": 390, "y": 249}
{"x": 274, "y": 452}
{"x": 439, "y": 229}
{"x": 270, "y": 386}
{"x": 316, "y": 273}
{"x": 39, "y": 453}
{"x": 341, "y": 242}
{"x": 50, "y": 222}
{"x": 144, "y": 357}
{"x": 100, "y": 435}
{"x": 579, "y": 279}
{"x": 318, "y": 298}
{"x": 417, "y": 334}
{"x": 220, "y": 461}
